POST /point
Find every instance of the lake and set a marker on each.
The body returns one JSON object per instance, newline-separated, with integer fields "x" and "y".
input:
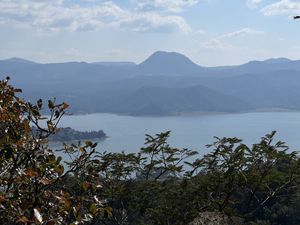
{"x": 128, "y": 133}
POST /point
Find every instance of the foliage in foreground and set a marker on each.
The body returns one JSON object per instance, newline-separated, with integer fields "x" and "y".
{"x": 258, "y": 183}
{"x": 33, "y": 187}
{"x": 157, "y": 185}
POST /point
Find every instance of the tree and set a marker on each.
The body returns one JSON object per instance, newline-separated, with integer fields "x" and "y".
{"x": 33, "y": 179}
{"x": 141, "y": 187}
{"x": 238, "y": 180}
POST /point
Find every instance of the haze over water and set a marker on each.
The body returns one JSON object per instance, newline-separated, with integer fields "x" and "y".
{"x": 128, "y": 133}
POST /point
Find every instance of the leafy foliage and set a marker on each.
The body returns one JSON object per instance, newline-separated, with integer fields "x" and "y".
{"x": 33, "y": 188}
{"x": 247, "y": 181}
{"x": 252, "y": 183}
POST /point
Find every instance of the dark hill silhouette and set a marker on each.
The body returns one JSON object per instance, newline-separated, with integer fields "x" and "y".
{"x": 165, "y": 83}
{"x": 277, "y": 60}
{"x": 264, "y": 66}
{"x": 19, "y": 60}
{"x": 168, "y": 101}
{"x": 119, "y": 64}
{"x": 170, "y": 64}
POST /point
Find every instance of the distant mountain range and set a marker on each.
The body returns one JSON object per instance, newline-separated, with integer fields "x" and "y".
{"x": 166, "y": 83}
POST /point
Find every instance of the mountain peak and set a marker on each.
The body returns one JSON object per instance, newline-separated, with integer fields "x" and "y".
{"x": 164, "y": 53}
{"x": 169, "y": 63}
{"x": 20, "y": 60}
{"x": 161, "y": 55}
{"x": 277, "y": 60}
{"x": 269, "y": 61}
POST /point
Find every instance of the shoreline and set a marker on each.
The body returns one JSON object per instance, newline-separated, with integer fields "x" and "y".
{"x": 189, "y": 114}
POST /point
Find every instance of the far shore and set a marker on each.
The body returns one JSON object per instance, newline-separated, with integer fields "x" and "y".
{"x": 191, "y": 114}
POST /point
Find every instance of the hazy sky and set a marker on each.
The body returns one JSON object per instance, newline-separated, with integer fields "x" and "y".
{"x": 210, "y": 32}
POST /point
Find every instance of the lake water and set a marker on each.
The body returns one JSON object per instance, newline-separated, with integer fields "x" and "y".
{"x": 194, "y": 132}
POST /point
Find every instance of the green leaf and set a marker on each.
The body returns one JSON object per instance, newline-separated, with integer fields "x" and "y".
{"x": 51, "y": 104}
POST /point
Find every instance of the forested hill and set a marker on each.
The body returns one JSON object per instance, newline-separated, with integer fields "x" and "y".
{"x": 165, "y": 83}
{"x": 66, "y": 134}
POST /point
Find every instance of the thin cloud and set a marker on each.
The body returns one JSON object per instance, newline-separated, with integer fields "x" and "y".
{"x": 174, "y": 6}
{"x": 72, "y": 52}
{"x": 215, "y": 45}
{"x": 253, "y": 3}
{"x": 201, "y": 32}
{"x": 282, "y": 7}
{"x": 242, "y": 32}
{"x": 154, "y": 22}
{"x": 57, "y": 15}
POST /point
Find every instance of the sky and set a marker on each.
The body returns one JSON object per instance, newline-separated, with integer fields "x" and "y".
{"x": 209, "y": 32}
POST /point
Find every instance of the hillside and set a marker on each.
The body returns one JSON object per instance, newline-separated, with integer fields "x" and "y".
{"x": 164, "y": 84}
{"x": 168, "y": 101}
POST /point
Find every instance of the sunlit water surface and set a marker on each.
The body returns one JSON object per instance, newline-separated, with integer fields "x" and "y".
{"x": 128, "y": 133}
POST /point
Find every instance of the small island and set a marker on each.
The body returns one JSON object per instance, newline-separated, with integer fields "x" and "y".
{"x": 69, "y": 134}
